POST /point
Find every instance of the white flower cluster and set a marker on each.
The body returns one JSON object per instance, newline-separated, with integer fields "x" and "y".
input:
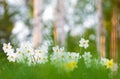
{"x": 10, "y": 52}
{"x": 87, "y": 59}
{"x": 62, "y": 59}
{"x": 59, "y": 58}
{"x": 86, "y": 56}
{"x": 26, "y": 53}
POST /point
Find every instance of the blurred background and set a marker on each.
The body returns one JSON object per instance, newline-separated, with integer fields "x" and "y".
{"x": 64, "y": 22}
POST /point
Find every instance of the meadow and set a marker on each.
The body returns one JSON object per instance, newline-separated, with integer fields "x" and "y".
{"x": 89, "y": 65}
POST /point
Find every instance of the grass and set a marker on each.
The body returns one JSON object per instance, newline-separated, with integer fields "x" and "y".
{"x": 47, "y": 71}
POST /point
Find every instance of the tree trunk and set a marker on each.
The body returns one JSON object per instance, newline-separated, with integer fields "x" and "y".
{"x": 60, "y": 22}
{"x": 38, "y": 25}
{"x": 100, "y": 30}
{"x": 114, "y": 36}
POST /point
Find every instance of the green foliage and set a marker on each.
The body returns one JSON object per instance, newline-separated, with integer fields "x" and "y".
{"x": 107, "y": 9}
{"x": 47, "y": 71}
{"x": 73, "y": 42}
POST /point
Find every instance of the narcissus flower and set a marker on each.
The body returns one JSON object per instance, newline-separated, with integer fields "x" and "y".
{"x": 12, "y": 57}
{"x": 66, "y": 60}
{"x": 109, "y": 63}
{"x": 87, "y": 56}
{"x": 56, "y": 49}
{"x": 7, "y": 47}
{"x": 87, "y": 59}
{"x": 71, "y": 65}
{"x": 27, "y": 54}
{"x": 84, "y": 43}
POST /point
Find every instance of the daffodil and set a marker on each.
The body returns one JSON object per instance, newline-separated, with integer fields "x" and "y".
{"x": 109, "y": 63}
{"x": 87, "y": 59}
{"x": 56, "y": 49}
{"x": 29, "y": 52}
{"x": 12, "y": 57}
{"x": 41, "y": 56}
{"x": 26, "y": 45}
{"x": 71, "y": 65}
{"x": 65, "y": 60}
{"x": 84, "y": 43}
{"x": 20, "y": 56}
{"x": 7, "y": 47}
{"x": 87, "y": 56}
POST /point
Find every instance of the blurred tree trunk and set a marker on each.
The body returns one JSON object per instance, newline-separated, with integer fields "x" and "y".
{"x": 100, "y": 30}
{"x": 38, "y": 25}
{"x": 99, "y": 13}
{"x": 114, "y": 30}
{"x": 60, "y": 34}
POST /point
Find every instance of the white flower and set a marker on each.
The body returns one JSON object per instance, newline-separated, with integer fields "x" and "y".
{"x": 53, "y": 59}
{"x": 12, "y": 57}
{"x": 10, "y": 51}
{"x": 103, "y": 61}
{"x": 20, "y": 56}
{"x": 7, "y": 47}
{"x": 87, "y": 59}
{"x": 41, "y": 59}
{"x": 26, "y": 45}
{"x": 40, "y": 56}
{"x": 74, "y": 56}
{"x": 40, "y": 52}
{"x": 30, "y": 61}
{"x": 88, "y": 63}
{"x": 62, "y": 56}
{"x": 44, "y": 59}
{"x": 87, "y": 56}
{"x": 38, "y": 59}
{"x": 56, "y": 49}
{"x": 43, "y": 49}
{"x": 29, "y": 52}
{"x": 83, "y": 43}
{"x": 62, "y": 49}
{"x": 18, "y": 51}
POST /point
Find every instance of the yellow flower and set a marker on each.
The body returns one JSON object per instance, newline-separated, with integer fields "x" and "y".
{"x": 109, "y": 63}
{"x": 70, "y": 66}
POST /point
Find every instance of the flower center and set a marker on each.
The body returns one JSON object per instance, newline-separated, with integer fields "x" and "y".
{"x": 12, "y": 57}
{"x": 19, "y": 52}
{"x": 6, "y": 47}
{"x": 84, "y": 42}
{"x": 63, "y": 56}
{"x": 70, "y": 56}
{"x": 44, "y": 58}
{"x": 28, "y": 51}
{"x": 57, "y": 50}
